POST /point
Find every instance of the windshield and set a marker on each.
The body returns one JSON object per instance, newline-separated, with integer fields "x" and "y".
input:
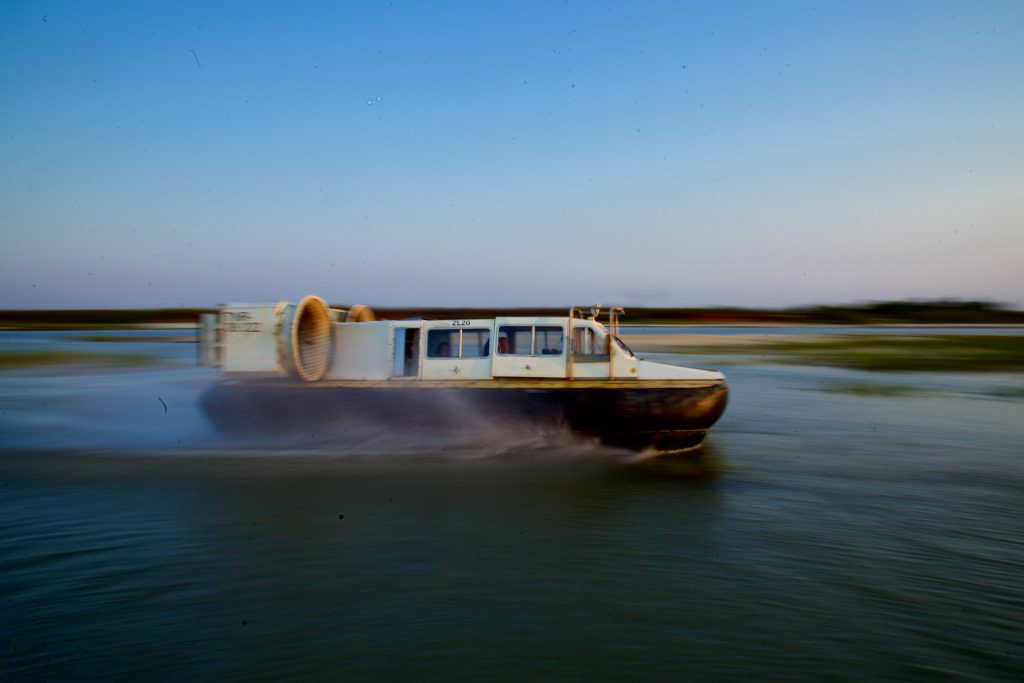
{"x": 623, "y": 346}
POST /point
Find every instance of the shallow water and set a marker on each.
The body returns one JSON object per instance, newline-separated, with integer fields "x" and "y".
{"x": 820, "y": 534}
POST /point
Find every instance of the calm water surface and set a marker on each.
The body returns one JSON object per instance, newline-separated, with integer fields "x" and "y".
{"x": 830, "y": 535}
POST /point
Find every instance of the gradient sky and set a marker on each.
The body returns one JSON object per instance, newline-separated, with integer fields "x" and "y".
{"x": 518, "y": 153}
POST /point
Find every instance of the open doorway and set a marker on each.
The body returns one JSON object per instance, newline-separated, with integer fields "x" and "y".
{"x": 411, "y": 353}
{"x": 407, "y": 352}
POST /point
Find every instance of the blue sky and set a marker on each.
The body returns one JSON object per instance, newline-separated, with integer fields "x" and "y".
{"x": 528, "y": 153}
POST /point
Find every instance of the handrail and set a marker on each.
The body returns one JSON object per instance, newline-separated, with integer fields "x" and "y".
{"x": 613, "y": 332}
{"x": 613, "y": 319}
{"x": 595, "y": 311}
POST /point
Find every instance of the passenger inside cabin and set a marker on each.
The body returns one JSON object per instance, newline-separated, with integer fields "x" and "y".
{"x": 444, "y": 350}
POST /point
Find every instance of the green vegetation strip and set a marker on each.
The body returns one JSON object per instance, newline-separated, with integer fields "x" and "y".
{"x": 32, "y": 359}
{"x": 925, "y": 353}
{"x": 1007, "y": 392}
{"x": 865, "y": 389}
{"x": 931, "y": 353}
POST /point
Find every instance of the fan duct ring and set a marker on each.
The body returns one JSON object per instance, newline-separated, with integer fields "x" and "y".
{"x": 311, "y": 339}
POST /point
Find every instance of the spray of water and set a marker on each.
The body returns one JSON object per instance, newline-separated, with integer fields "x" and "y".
{"x": 188, "y": 411}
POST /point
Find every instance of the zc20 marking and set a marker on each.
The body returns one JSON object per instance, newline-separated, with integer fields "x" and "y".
{"x": 460, "y": 323}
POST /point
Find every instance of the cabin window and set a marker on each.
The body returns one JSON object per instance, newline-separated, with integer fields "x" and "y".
{"x": 586, "y": 343}
{"x": 448, "y": 343}
{"x": 529, "y": 340}
{"x": 548, "y": 341}
{"x": 515, "y": 340}
{"x": 443, "y": 344}
{"x": 476, "y": 343}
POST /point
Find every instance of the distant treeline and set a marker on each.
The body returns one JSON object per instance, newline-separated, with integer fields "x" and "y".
{"x": 100, "y": 317}
{"x": 945, "y": 311}
{"x": 949, "y": 311}
{"x": 638, "y": 314}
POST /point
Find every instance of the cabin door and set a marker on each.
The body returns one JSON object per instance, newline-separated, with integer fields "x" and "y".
{"x": 407, "y": 352}
{"x": 529, "y": 347}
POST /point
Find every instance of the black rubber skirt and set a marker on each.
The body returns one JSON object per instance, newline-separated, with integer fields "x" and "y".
{"x": 636, "y": 418}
